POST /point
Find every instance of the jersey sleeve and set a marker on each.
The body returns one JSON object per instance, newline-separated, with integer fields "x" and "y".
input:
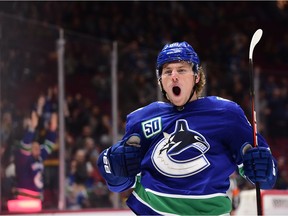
{"x": 48, "y": 144}
{"x": 26, "y": 143}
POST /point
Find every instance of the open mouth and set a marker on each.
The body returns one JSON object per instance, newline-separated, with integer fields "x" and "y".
{"x": 176, "y": 90}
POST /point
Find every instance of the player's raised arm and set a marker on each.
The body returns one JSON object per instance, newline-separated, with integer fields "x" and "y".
{"x": 31, "y": 124}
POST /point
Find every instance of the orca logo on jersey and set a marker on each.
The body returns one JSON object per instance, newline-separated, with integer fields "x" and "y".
{"x": 182, "y": 153}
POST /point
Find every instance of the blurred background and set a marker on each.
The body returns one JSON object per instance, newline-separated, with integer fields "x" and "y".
{"x": 94, "y": 62}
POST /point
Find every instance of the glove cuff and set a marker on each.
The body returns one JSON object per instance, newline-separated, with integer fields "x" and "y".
{"x": 106, "y": 162}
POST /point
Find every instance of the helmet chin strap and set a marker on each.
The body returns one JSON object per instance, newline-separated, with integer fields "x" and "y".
{"x": 179, "y": 108}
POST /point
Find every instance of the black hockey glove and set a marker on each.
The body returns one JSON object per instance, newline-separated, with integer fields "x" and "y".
{"x": 123, "y": 159}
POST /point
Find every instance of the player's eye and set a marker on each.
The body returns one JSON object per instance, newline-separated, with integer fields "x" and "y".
{"x": 167, "y": 72}
{"x": 182, "y": 71}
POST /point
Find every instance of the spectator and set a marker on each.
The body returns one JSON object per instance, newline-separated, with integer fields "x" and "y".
{"x": 29, "y": 159}
{"x": 79, "y": 177}
{"x": 100, "y": 196}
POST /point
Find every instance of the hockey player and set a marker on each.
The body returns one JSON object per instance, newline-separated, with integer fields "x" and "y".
{"x": 29, "y": 158}
{"x": 178, "y": 156}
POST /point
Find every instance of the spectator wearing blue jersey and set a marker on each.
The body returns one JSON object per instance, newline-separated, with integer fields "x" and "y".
{"x": 178, "y": 155}
{"x": 29, "y": 158}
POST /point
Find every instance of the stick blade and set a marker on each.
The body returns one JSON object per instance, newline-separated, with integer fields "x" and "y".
{"x": 255, "y": 39}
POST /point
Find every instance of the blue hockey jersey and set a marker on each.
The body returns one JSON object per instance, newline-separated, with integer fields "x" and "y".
{"x": 187, "y": 156}
{"x": 29, "y": 170}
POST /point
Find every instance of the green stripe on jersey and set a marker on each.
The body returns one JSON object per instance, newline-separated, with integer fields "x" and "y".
{"x": 183, "y": 206}
{"x": 48, "y": 145}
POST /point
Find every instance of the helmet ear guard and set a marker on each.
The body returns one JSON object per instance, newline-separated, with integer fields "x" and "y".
{"x": 195, "y": 68}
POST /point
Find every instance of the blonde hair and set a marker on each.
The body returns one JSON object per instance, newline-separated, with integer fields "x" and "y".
{"x": 202, "y": 81}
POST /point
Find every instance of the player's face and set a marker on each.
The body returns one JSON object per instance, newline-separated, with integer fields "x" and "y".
{"x": 178, "y": 80}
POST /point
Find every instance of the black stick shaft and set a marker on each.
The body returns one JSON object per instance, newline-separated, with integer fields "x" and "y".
{"x": 254, "y": 128}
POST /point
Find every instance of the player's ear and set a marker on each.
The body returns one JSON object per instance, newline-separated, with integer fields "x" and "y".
{"x": 197, "y": 78}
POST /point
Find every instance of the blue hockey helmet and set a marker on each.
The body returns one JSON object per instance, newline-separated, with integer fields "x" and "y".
{"x": 179, "y": 51}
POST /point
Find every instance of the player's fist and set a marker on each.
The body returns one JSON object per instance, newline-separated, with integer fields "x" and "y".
{"x": 53, "y": 122}
{"x": 34, "y": 120}
{"x": 258, "y": 165}
{"x": 123, "y": 159}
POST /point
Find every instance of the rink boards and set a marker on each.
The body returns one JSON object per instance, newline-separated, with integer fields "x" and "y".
{"x": 82, "y": 213}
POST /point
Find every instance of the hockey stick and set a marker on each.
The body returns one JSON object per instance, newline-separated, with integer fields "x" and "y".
{"x": 255, "y": 39}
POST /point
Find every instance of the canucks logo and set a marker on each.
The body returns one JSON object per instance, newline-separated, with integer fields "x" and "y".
{"x": 182, "y": 153}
